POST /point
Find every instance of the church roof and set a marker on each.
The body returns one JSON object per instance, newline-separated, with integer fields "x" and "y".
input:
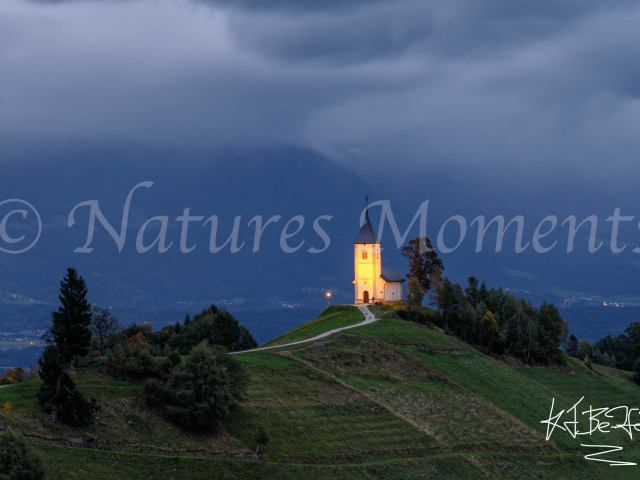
{"x": 390, "y": 276}
{"x": 367, "y": 233}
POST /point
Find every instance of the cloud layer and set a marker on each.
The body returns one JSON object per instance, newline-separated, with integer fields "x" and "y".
{"x": 465, "y": 84}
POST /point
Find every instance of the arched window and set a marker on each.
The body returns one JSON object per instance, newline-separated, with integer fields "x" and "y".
{"x": 364, "y": 255}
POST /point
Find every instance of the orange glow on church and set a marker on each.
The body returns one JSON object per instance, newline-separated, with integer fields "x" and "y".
{"x": 373, "y": 282}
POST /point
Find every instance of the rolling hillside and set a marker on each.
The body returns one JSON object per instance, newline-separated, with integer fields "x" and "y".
{"x": 383, "y": 401}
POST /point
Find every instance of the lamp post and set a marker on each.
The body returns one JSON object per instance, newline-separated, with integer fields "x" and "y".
{"x": 328, "y": 299}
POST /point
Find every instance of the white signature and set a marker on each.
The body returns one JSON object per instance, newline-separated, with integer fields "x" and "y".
{"x": 599, "y": 420}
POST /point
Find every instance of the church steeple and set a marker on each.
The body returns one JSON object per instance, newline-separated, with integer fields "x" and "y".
{"x": 367, "y": 233}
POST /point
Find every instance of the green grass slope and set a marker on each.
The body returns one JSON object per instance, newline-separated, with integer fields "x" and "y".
{"x": 336, "y": 316}
{"x": 387, "y": 400}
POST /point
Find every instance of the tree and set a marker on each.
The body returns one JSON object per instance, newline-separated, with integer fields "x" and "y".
{"x": 490, "y": 331}
{"x": 424, "y": 264}
{"x": 448, "y": 296}
{"x": 585, "y": 349}
{"x": 245, "y": 340}
{"x": 471, "y": 291}
{"x": 636, "y": 371}
{"x": 197, "y": 393}
{"x": 18, "y": 461}
{"x": 226, "y": 330}
{"x": 103, "y": 324}
{"x": 71, "y": 323}
{"x": 59, "y": 393}
{"x": 572, "y": 346}
{"x": 633, "y": 332}
{"x": 415, "y": 295}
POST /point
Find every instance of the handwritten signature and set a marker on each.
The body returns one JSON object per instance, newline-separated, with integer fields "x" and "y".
{"x": 599, "y": 420}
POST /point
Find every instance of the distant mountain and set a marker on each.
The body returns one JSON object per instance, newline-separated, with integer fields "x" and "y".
{"x": 285, "y": 181}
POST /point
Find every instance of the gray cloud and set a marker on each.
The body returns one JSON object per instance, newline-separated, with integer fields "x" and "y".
{"x": 499, "y": 84}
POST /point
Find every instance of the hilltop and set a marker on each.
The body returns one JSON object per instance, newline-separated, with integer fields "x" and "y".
{"x": 391, "y": 399}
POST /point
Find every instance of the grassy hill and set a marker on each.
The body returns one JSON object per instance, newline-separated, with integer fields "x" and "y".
{"x": 384, "y": 401}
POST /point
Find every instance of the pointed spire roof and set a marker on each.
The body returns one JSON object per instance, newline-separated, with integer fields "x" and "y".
{"x": 367, "y": 233}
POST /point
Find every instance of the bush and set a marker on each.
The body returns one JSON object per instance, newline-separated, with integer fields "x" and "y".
{"x": 261, "y": 437}
{"x": 152, "y": 389}
{"x": 18, "y": 461}
{"x": 403, "y": 314}
{"x": 197, "y": 393}
{"x": 136, "y": 361}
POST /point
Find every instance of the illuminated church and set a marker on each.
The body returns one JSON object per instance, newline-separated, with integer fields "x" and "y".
{"x": 373, "y": 282}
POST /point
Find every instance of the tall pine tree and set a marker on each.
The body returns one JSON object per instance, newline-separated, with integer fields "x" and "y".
{"x": 71, "y": 328}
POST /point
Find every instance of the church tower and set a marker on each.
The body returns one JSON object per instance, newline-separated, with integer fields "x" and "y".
{"x": 372, "y": 281}
{"x": 367, "y": 262}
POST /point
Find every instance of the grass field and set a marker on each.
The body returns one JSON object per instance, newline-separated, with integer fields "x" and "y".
{"x": 336, "y": 316}
{"x": 389, "y": 400}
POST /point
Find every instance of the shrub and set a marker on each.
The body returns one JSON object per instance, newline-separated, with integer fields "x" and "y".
{"x": 18, "y": 461}
{"x": 197, "y": 393}
{"x": 152, "y": 388}
{"x": 403, "y": 314}
{"x": 136, "y": 361}
{"x": 261, "y": 437}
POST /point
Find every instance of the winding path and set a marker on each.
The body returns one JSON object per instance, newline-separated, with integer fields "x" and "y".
{"x": 368, "y": 318}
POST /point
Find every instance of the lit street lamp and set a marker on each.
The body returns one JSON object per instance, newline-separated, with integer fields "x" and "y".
{"x": 328, "y": 299}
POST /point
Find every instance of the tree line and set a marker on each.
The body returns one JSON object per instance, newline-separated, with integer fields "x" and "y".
{"x": 195, "y": 391}
{"x": 494, "y": 320}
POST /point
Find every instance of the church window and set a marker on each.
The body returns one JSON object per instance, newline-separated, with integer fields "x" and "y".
{"x": 364, "y": 255}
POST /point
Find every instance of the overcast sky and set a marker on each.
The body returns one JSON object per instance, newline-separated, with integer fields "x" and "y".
{"x": 544, "y": 84}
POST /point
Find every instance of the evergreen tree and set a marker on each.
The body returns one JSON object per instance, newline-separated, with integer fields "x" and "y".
{"x": 187, "y": 320}
{"x": 18, "y": 461}
{"x": 471, "y": 291}
{"x": 448, "y": 296}
{"x": 71, "y": 328}
{"x": 197, "y": 394}
{"x": 58, "y": 392}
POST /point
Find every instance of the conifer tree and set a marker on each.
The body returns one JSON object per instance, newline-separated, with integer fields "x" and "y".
{"x": 58, "y": 391}
{"x": 71, "y": 328}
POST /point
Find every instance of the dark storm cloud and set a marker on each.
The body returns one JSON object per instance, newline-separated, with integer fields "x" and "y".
{"x": 551, "y": 84}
